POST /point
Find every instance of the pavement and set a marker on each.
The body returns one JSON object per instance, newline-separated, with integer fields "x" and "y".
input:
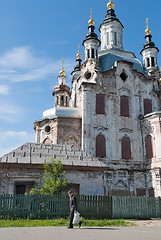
{"x": 85, "y": 233}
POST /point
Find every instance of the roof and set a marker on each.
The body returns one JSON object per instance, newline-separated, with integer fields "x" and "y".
{"x": 33, "y": 153}
{"x": 61, "y": 112}
{"x": 109, "y": 60}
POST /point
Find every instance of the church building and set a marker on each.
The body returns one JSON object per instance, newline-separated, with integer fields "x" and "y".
{"x": 106, "y": 129}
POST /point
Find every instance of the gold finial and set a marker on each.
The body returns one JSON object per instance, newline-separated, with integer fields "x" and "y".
{"x": 110, "y": 5}
{"x": 91, "y": 21}
{"x": 79, "y": 55}
{"x": 147, "y": 31}
{"x": 62, "y": 72}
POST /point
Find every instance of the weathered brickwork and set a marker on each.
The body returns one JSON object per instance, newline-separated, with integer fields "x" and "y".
{"x": 108, "y": 135}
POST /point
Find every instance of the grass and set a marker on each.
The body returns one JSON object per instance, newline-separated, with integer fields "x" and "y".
{"x": 62, "y": 222}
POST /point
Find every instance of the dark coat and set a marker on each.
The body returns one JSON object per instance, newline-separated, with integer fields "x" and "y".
{"x": 73, "y": 204}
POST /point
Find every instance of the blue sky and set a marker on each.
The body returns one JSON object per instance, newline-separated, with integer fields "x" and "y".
{"x": 34, "y": 37}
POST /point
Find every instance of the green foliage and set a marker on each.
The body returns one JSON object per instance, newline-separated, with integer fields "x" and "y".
{"x": 55, "y": 180}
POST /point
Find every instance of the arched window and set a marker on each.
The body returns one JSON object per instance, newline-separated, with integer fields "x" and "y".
{"x": 126, "y": 148}
{"x": 100, "y": 146}
{"x": 149, "y": 146}
{"x": 47, "y": 141}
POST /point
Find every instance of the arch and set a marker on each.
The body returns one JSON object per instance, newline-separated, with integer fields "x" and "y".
{"x": 126, "y": 148}
{"x": 100, "y": 146}
{"x": 120, "y": 185}
{"x": 47, "y": 141}
{"x": 149, "y": 146}
{"x": 71, "y": 140}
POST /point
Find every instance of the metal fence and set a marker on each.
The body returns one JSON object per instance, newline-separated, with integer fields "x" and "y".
{"x": 90, "y": 207}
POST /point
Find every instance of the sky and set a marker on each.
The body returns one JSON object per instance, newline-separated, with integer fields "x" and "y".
{"x": 34, "y": 37}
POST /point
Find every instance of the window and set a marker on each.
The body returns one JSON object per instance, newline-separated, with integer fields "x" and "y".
{"x": 96, "y": 53}
{"x": 87, "y": 74}
{"x": 108, "y": 38}
{"x": 100, "y": 104}
{"x": 92, "y": 53}
{"x": 115, "y": 38}
{"x": 57, "y": 100}
{"x": 47, "y": 141}
{"x": 123, "y": 76}
{"x": 100, "y": 146}
{"x": 47, "y": 129}
{"x": 66, "y": 101}
{"x": 74, "y": 188}
{"x": 124, "y": 106}
{"x": 88, "y": 53}
{"x": 148, "y": 62}
{"x": 140, "y": 192}
{"x": 149, "y": 146}
{"x": 20, "y": 189}
{"x": 152, "y": 62}
{"x": 147, "y": 106}
{"x": 62, "y": 100}
{"x": 126, "y": 148}
{"x": 23, "y": 187}
{"x": 151, "y": 192}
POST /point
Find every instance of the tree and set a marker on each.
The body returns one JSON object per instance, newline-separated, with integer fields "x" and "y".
{"x": 55, "y": 180}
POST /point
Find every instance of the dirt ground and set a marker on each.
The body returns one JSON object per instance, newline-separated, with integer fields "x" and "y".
{"x": 147, "y": 223}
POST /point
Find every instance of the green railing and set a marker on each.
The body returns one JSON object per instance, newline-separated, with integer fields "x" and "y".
{"x": 90, "y": 207}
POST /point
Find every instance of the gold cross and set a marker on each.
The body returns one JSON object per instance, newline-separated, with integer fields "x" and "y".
{"x": 91, "y": 13}
{"x": 62, "y": 63}
{"x": 78, "y": 47}
{"x": 147, "y": 19}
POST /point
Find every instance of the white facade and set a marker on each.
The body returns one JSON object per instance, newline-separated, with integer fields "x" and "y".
{"x": 114, "y": 118}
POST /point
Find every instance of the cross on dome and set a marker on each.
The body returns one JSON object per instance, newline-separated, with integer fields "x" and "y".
{"x": 62, "y": 72}
{"x": 79, "y": 55}
{"x": 147, "y": 31}
{"x": 91, "y": 21}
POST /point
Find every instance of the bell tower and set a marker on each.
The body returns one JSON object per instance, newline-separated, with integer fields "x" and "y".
{"x": 111, "y": 30}
{"x": 150, "y": 52}
{"x": 61, "y": 91}
{"x": 91, "y": 43}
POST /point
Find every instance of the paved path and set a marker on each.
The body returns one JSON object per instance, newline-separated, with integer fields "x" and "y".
{"x": 86, "y": 233}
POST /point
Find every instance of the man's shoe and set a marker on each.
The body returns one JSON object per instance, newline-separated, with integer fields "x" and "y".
{"x": 80, "y": 223}
{"x": 70, "y": 227}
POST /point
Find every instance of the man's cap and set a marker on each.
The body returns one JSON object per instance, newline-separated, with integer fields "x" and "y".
{"x": 69, "y": 192}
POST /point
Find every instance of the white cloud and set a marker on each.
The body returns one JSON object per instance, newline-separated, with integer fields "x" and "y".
{"x": 10, "y": 112}
{"x": 11, "y": 140}
{"x": 21, "y": 64}
{"x": 4, "y": 89}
